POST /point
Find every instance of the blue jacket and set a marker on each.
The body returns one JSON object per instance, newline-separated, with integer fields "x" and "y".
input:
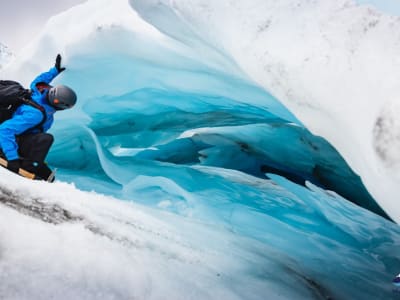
{"x": 26, "y": 116}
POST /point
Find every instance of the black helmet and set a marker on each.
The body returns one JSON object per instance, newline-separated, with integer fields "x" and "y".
{"x": 62, "y": 97}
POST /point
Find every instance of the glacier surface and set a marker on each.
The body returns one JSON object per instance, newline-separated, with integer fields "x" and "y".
{"x": 286, "y": 242}
{"x": 198, "y": 118}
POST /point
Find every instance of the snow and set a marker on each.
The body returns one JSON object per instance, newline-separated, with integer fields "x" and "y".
{"x": 105, "y": 249}
{"x": 59, "y": 242}
{"x": 161, "y": 189}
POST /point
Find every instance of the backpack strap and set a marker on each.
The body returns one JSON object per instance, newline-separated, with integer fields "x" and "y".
{"x": 42, "y": 110}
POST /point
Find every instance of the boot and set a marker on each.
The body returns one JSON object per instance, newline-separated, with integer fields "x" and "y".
{"x": 41, "y": 170}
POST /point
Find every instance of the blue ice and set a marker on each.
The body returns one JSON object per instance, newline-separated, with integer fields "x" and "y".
{"x": 200, "y": 152}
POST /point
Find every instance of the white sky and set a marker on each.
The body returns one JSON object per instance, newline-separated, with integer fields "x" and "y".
{"x": 20, "y": 20}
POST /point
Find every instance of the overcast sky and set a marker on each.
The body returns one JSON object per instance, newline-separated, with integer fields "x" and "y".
{"x": 22, "y": 19}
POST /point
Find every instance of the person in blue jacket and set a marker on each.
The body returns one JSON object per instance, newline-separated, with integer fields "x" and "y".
{"x": 23, "y": 138}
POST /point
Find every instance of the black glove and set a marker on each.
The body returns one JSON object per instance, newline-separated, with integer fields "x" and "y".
{"x": 58, "y": 64}
{"x": 13, "y": 165}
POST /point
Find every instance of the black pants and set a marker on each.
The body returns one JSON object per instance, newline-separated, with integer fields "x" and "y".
{"x": 33, "y": 149}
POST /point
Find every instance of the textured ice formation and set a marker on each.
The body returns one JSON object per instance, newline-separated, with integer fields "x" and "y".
{"x": 141, "y": 87}
{"x": 334, "y": 64}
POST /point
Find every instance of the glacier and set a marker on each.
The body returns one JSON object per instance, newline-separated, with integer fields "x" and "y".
{"x": 212, "y": 155}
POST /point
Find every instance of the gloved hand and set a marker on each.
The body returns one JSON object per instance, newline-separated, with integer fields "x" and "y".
{"x": 13, "y": 165}
{"x": 58, "y": 64}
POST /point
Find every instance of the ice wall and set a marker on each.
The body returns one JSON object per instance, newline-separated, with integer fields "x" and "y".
{"x": 334, "y": 64}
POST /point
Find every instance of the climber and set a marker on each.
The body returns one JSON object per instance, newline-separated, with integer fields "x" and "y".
{"x": 23, "y": 139}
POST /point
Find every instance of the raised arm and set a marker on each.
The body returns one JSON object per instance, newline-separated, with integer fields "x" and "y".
{"x": 48, "y": 76}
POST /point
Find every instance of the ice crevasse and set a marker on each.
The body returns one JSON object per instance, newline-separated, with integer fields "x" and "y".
{"x": 334, "y": 65}
{"x": 197, "y": 83}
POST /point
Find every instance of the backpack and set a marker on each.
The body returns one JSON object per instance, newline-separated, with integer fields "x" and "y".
{"x": 13, "y": 95}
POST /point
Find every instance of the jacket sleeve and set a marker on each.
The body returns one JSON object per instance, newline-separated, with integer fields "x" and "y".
{"x": 45, "y": 77}
{"x": 28, "y": 118}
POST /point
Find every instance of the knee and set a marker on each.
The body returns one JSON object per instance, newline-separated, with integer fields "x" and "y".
{"x": 47, "y": 138}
